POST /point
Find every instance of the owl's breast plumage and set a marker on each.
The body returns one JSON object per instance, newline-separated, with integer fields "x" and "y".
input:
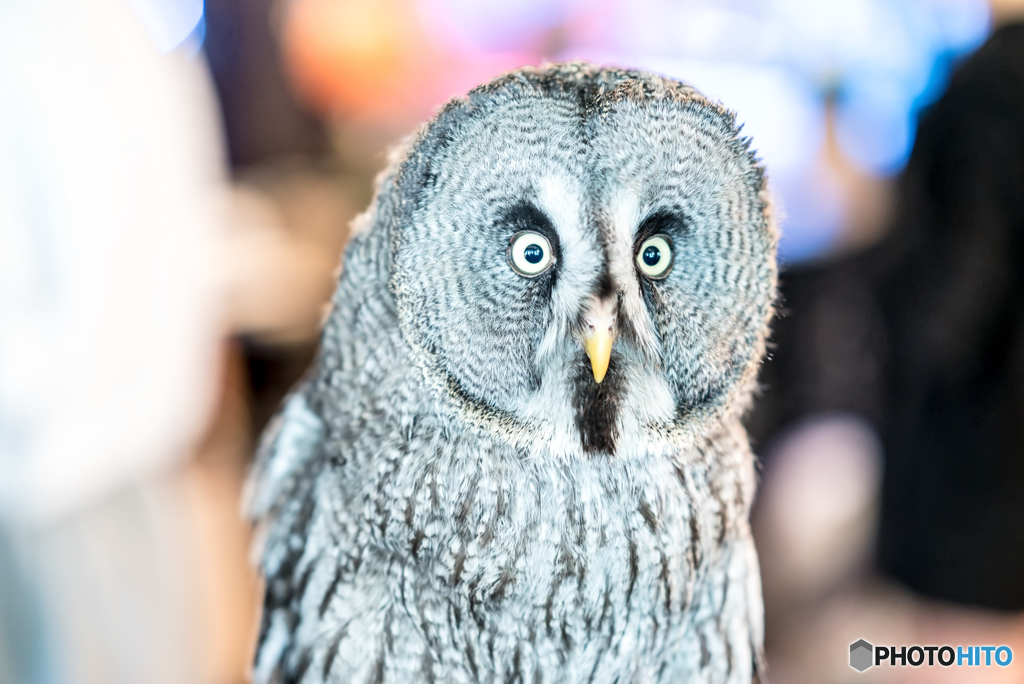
{"x": 558, "y": 567}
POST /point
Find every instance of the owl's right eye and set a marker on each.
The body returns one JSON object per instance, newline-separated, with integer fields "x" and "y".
{"x": 529, "y": 254}
{"x": 655, "y": 257}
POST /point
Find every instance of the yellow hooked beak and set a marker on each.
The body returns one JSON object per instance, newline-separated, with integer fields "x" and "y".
{"x": 598, "y": 336}
{"x": 599, "y": 349}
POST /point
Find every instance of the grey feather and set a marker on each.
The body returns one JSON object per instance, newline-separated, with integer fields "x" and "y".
{"x": 450, "y": 496}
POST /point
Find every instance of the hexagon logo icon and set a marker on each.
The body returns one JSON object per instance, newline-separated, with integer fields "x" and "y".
{"x": 861, "y": 655}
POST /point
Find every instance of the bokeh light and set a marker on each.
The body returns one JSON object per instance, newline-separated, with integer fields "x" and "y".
{"x": 171, "y": 23}
{"x": 780, "y": 64}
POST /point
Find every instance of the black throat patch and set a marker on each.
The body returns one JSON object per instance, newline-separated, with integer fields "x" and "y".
{"x": 596, "y": 407}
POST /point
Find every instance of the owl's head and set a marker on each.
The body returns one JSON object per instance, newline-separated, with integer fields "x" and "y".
{"x": 584, "y": 253}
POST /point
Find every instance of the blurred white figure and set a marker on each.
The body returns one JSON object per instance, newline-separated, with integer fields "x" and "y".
{"x": 110, "y": 176}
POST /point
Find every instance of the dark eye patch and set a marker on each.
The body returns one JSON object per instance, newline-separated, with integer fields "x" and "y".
{"x": 667, "y": 222}
{"x": 523, "y": 216}
{"x": 671, "y": 223}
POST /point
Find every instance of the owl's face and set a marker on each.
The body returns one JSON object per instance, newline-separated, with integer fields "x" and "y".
{"x": 589, "y": 259}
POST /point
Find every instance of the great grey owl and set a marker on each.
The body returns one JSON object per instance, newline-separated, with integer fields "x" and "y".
{"x": 518, "y": 456}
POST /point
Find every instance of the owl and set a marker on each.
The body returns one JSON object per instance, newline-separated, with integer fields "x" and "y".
{"x": 518, "y": 456}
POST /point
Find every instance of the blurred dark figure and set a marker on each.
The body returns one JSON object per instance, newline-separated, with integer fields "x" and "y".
{"x": 923, "y": 335}
{"x": 262, "y": 119}
{"x": 273, "y": 143}
{"x": 951, "y": 289}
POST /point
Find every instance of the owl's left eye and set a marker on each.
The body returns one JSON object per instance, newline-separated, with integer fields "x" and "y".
{"x": 655, "y": 257}
{"x": 529, "y": 253}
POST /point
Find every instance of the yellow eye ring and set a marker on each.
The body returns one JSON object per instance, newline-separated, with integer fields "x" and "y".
{"x": 655, "y": 257}
{"x": 529, "y": 254}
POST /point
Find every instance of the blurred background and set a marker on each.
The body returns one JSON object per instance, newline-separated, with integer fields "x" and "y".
{"x": 177, "y": 180}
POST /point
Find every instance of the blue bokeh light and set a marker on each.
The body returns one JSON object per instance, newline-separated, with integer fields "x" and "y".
{"x": 172, "y": 23}
{"x": 777, "y": 63}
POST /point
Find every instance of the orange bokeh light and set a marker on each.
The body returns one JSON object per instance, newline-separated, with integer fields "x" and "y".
{"x": 352, "y": 55}
{"x": 371, "y": 60}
